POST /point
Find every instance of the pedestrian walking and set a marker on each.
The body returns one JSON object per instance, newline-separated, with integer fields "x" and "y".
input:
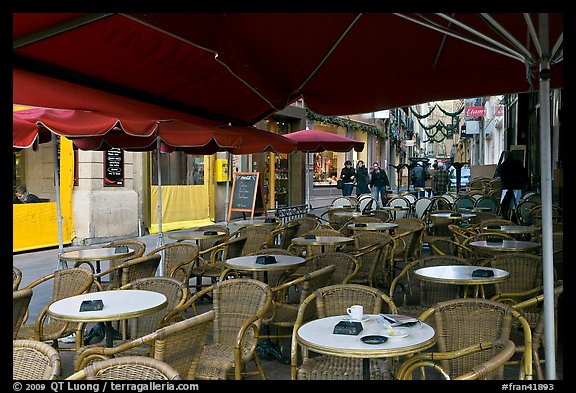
{"x": 378, "y": 183}
{"x": 441, "y": 180}
{"x": 348, "y": 176}
{"x": 362, "y": 179}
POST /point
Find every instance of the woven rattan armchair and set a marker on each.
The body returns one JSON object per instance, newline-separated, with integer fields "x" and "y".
{"x": 307, "y": 224}
{"x": 409, "y": 236}
{"x": 211, "y": 261}
{"x": 375, "y": 251}
{"x": 330, "y": 301}
{"x": 532, "y": 309}
{"x": 33, "y": 359}
{"x": 274, "y": 276}
{"x": 66, "y": 283}
{"x": 179, "y": 344}
{"x": 461, "y": 323}
{"x": 239, "y": 305}
{"x": 494, "y": 356}
{"x": 347, "y": 266}
{"x": 16, "y": 277}
{"x": 526, "y": 276}
{"x": 257, "y": 237}
{"x": 130, "y": 270}
{"x": 281, "y": 237}
{"x": 204, "y": 244}
{"x": 20, "y": 301}
{"x": 406, "y": 285}
{"x": 127, "y": 368}
{"x": 287, "y": 299}
{"x": 178, "y": 259}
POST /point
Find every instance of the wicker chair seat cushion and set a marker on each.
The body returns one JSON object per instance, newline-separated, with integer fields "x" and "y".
{"x": 328, "y": 367}
{"x": 35, "y": 360}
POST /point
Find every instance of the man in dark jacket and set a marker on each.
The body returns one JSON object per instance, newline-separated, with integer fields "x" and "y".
{"x": 514, "y": 178}
{"x": 378, "y": 183}
{"x": 348, "y": 176}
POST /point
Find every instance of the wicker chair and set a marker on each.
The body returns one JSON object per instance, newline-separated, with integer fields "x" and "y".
{"x": 257, "y": 238}
{"x": 239, "y": 305}
{"x": 494, "y": 356}
{"x": 281, "y": 237}
{"x": 406, "y": 284}
{"x": 382, "y": 215}
{"x": 532, "y": 309}
{"x": 347, "y": 266}
{"x": 66, "y": 283}
{"x": 204, "y": 244}
{"x": 20, "y": 301}
{"x": 526, "y": 276}
{"x": 211, "y": 261}
{"x": 461, "y": 323}
{"x": 316, "y": 249}
{"x": 179, "y": 344}
{"x": 346, "y": 231}
{"x": 33, "y": 359}
{"x": 16, "y": 277}
{"x": 128, "y": 368}
{"x": 409, "y": 236}
{"x": 178, "y": 259}
{"x": 130, "y": 270}
{"x": 307, "y": 224}
{"x": 329, "y": 301}
{"x": 375, "y": 251}
{"x": 287, "y": 299}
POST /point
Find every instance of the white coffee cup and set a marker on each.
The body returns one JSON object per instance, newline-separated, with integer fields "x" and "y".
{"x": 356, "y": 312}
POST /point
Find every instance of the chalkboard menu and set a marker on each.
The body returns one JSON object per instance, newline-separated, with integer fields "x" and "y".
{"x": 114, "y": 168}
{"x": 247, "y": 193}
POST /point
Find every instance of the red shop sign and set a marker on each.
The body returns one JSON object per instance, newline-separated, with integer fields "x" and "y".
{"x": 475, "y": 111}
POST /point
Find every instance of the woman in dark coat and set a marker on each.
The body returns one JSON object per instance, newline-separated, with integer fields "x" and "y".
{"x": 362, "y": 179}
{"x": 348, "y": 176}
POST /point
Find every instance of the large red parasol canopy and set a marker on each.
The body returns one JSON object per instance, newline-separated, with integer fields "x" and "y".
{"x": 316, "y": 141}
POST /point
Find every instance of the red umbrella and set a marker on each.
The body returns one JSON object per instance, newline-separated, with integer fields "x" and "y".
{"x": 315, "y": 141}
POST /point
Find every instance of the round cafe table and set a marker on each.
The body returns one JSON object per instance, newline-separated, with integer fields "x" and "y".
{"x": 505, "y": 245}
{"x": 96, "y": 255}
{"x": 461, "y": 275}
{"x": 518, "y": 231}
{"x": 321, "y": 241}
{"x": 318, "y": 335}
{"x": 373, "y": 226}
{"x": 196, "y": 235}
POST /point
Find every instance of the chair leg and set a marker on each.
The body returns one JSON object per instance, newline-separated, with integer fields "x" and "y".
{"x": 259, "y": 366}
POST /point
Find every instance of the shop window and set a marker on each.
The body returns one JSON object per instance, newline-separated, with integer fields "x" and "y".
{"x": 178, "y": 168}
{"x": 325, "y": 168}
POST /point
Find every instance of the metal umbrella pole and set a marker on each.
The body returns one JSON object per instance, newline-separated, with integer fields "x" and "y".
{"x": 308, "y": 205}
{"x": 61, "y": 264}
{"x": 227, "y": 187}
{"x": 160, "y": 240}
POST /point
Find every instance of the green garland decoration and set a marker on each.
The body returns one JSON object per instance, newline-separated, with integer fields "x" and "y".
{"x": 453, "y": 114}
{"x": 342, "y": 122}
{"x": 419, "y": 116}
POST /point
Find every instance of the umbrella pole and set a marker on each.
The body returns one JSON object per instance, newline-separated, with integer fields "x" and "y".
{"x": 308, "y": 206}
{"x": 546, "y": 193}
{"x": 160, "y": 241}
{"x": 61, "y": 264}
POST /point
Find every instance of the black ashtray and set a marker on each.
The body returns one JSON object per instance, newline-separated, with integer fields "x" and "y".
{"x": 210, "y": 233}
{"x": 265, "y": 259}
{"x": 360, "y": 225}
{"x": 120, "y": 249}
{"x": 91, "y": 305}
{"x": 374, "y": 339}
{"x": 346, "y": 205}
{"x": 347, "y": 327}
{"x": 269, "y": 220}
{"x": 493, "y": 227}
{"x": 456, "y": 215}
{"x": 482, "y": 273}
{"x": 310, "y": 237}
{"x": 494, "y": 241}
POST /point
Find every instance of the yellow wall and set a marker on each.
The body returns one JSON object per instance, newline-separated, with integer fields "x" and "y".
{"x": 35, "y": 225}
{"x": 182, "y": 207}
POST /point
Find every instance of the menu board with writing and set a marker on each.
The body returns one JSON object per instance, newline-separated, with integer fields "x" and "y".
{"x": 114, "y": 168}
{"x": 247, "y": 193}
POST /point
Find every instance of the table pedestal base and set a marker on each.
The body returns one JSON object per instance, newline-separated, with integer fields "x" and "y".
{"x": 267, "y": 349}
{"x": 99, "y": 332}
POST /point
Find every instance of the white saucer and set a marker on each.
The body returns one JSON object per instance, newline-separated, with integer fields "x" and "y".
{"x": 364, "y": 318}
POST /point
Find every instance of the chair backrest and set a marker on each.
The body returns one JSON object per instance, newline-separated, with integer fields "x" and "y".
{"x": 16, "y": 277}
{"x": 367, "y": 203}
{"x": 175, "y": 292}
{"x": 204, "y": 244}
{"x": 347, "y": 265}
{"x": 180, "y": 344}
{"x": 465, "y": 322}
{"x": 524, "y": 210}
{"x": 127, "y": 368}
{"x": 375, "y": 250}
{"x": 20, "y": 301}
{"x": 178, "y": 259}
{"x": 526, "y": 272}
{"x": 257, "y": 237}
{"x": 463, "y": 202}
{"x": 341, "y": 201}
{"x": 420, "y": 207}
{"x": 283, "y": 235}
{"x": 486, "y": 201}
{"x": 402, "y": 202}
{"x": 409, "y": 236}
{"x": 238, "y": 303}
{"x": 33, "y": 359}
{"x": 138, "y": 246}
{"x": 132, "y": 269}
{"x": 306, "y": 224}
